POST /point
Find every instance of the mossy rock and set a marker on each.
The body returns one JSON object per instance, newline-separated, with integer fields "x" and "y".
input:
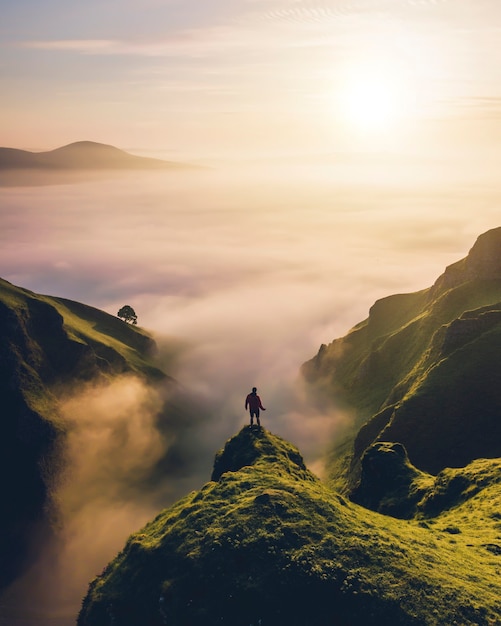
{"x": 389, "y": 483}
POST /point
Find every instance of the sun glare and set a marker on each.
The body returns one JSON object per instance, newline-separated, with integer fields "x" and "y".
{"x": 370, "y": 104}
{"x": 375, "y": 98}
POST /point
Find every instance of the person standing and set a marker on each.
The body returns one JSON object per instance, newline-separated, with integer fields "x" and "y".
{"x": 253, "y": 401}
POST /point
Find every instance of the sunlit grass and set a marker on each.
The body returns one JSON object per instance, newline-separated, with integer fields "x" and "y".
{"x": 269, "y": 541}
{"x": 59, "y": 342}
{"x": 415, "y": 372}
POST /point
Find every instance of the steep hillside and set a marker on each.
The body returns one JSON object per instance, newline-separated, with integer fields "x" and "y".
{"x": 45, "y": 344}
{"x": 422, "y": 370}
{"x": 265, "y": 542}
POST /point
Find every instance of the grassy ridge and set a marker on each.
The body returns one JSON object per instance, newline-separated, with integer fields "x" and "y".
{"x": 72, "y": 338}
{"x": 423, "y": 370}
{"x": 268, "y": 543}
{"x": 48, "y": 345}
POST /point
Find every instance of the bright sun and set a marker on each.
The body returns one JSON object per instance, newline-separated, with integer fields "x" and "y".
{"x": 375, "y": 98}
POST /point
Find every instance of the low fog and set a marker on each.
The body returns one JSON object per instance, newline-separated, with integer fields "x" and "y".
{"x": 240, "y": 273}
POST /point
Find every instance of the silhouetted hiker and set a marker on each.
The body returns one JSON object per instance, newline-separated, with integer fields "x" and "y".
{"x": 253, "y": 401}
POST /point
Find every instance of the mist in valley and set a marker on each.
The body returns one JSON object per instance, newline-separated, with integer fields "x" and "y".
{"x": 240, "y": 272}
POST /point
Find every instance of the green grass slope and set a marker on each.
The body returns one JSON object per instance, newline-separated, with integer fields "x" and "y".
{"x": 422, "y": 370}
{"x": 60, "y": 338}
{"x": 265, "y": 542}
{"x": 47, "y": 344}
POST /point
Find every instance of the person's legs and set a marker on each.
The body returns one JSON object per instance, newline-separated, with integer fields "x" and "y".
{"x": 255, "y": 414}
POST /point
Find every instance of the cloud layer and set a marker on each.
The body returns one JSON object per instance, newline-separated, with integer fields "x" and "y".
{"x": 241, "y": 274}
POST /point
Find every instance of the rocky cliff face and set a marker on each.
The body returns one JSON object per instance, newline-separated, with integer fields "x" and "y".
{"x": 46, "y": 344}
{"x": 423, "y": 370}
{"x": 265, "y": 542}
{"x": 482, "y": 263}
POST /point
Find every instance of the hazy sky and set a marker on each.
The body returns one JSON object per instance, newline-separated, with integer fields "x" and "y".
{"x": 215, "y": 77}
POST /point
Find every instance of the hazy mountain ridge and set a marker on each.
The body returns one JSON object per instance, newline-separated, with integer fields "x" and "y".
{"x": 265, "y": 542}
{"x": 80, "y": 155}
{"x": 48, "y": 345}
{"x": 422, "y": 370}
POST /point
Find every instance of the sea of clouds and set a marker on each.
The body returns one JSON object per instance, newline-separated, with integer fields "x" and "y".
{"x": 240, "y": 273}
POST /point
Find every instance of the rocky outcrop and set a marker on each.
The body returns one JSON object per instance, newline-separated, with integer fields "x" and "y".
{"x": 252, "y": 446}
{"x": 389, "y": 483}
{"x": 482, "y": 263}
{"x": 469, "y": 326}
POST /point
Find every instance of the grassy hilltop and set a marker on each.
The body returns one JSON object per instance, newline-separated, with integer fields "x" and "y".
{"x": 265, "y": 542}
{"x": 47, "y": 345}
{"x": 423, "y": 370}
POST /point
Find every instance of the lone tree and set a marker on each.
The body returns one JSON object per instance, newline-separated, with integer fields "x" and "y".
{"x": 127, "y": 314}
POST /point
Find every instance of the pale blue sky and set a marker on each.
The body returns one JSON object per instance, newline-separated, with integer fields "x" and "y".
{"x": 259, "y": 76}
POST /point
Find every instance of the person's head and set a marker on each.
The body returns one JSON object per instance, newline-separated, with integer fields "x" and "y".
{"x": 254, "y": 389}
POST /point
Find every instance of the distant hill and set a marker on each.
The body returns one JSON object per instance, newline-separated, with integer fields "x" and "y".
{"x": 265, "y": 542}
{"x": 46, "y": 344}
{"x": 423, "y": 370}
{"x": 81, "y": 155}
